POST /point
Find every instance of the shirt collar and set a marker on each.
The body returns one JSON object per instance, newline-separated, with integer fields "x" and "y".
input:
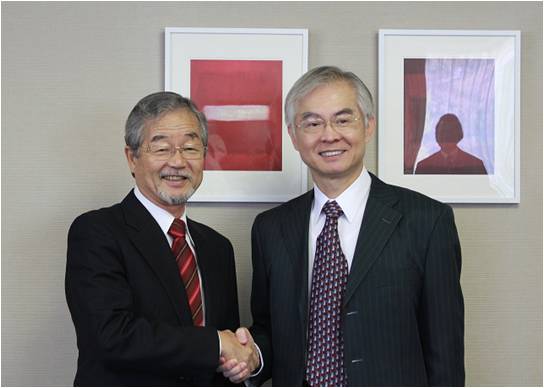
{"x": 349, "y": 200}
{"x": 163, "y": 218}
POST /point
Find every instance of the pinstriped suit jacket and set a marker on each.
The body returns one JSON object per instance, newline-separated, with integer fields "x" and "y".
{"x": 403, "y": 313}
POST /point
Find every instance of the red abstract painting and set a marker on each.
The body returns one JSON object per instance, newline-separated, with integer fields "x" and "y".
{"x": 242, "y": 100}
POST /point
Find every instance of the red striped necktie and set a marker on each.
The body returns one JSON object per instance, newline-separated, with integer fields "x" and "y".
{"x": 187, "y": 270}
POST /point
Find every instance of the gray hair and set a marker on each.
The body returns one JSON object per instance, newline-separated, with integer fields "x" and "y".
{"x": 325, "y": 75}
{"x": 152, "y": 107}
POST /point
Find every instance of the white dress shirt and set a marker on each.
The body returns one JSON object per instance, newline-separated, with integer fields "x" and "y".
{"x": 353, "y": 203}
{"x": 165, "y": 219}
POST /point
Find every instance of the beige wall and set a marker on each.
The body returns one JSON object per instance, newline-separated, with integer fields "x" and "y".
{"x": 72, "y": 71}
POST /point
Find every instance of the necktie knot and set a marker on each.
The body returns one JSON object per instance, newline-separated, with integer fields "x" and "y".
{"x": 177, "y": 229}
{"x": 332, "y": 209}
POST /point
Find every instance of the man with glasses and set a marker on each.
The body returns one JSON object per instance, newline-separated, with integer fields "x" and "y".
{"x": 355, "y": 282}
{"x": 152, "y": 293}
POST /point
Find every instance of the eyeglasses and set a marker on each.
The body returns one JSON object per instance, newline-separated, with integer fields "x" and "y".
{"x": 341, "y": 123}
{"x": 164, "y": 151}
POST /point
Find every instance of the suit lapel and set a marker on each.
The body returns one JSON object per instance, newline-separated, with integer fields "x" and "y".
{"x": 379, "y": 221}
{"x": 148, "y": 238}
{"x": 295, "y": 235}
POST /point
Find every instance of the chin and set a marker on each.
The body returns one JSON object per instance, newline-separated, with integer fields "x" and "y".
{"x": 334, "y": 170}
{"x": 177, "y": 199}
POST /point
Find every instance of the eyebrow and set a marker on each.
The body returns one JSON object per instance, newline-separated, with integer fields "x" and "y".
{"x": 344, "y": 111}
{"x": 307, "y": 115}
{"x": 158, "y": 137}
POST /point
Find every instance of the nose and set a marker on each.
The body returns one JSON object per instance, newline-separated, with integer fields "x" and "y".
{"x": 176, "y": 160}
{"x": 329, "y": 133}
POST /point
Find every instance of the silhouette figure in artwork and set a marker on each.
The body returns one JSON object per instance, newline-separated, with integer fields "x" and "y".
{"x": 450, "y": 159}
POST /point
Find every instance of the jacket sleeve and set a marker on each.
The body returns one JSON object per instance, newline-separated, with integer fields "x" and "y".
{"x": 442, "y": 309}
{"x": 105, "y": 317}
{"x": 260, "y": 308}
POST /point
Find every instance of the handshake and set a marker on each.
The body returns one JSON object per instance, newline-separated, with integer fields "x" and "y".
{"x": 239, "y": 356}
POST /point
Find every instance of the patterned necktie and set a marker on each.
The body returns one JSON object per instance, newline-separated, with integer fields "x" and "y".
{"x": 187, "y": 270}
{"x": 325, "y": 365}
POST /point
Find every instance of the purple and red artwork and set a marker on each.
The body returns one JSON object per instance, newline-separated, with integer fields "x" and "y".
{"x": 449, "y": 116}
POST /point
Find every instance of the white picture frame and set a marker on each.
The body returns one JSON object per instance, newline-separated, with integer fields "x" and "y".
{"x": 501, "y": 49}
{"x": 290, "y": 46}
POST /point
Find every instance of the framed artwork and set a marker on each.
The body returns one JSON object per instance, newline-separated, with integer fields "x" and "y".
{"x": 239, "y": 77}
{"x": 449, "y": 113}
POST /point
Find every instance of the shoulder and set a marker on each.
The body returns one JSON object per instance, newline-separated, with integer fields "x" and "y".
{"x": 429, "y": 162}
{"x": 94, "y": 231}
{"x": 106, "y": 217}
{"x": 211, "y": 235}
{"x": 407, "y": 201}
{"x": 287, "y": 211}
{"x": 431, "y": 158}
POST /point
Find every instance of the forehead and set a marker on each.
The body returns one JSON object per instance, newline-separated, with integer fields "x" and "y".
{"x": 175, "y": 123}
{"x": 328, "y": 99}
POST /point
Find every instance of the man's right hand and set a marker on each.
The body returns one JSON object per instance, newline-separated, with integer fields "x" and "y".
{"x": 238, "y": 355}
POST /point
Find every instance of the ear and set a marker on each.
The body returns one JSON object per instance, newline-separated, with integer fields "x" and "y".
{"x": 131, "y": 159}
{"x": 293, "y": 136}
{"x": 370, "y": 129}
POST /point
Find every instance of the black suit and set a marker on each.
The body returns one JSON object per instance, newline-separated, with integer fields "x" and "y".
{"x": 129, "y": 305}
{"x": 403, "y": 315}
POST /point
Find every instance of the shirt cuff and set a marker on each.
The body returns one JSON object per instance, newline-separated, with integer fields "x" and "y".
{"x": 220, "y": 347}
{"x": 261, "y": 360}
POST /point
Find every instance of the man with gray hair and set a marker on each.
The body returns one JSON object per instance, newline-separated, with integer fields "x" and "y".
{"x": 355, "y": 282}
{"x": 152, "y": 293}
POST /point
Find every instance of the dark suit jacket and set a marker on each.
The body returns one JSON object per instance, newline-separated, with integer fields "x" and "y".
{"x": 129, "y": 305}
{"x": 403, "y": 315}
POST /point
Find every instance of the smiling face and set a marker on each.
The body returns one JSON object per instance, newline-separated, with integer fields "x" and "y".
{"x": 335, "y": 158}
{"x": 168, "y": 183}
